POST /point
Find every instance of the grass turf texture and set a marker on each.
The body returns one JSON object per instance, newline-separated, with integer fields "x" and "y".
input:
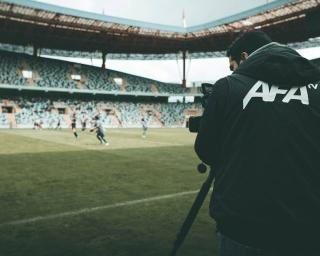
{"x": 50, "y": 172}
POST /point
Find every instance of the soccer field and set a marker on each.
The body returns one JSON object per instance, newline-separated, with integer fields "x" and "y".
{"x": 62, "y": 196}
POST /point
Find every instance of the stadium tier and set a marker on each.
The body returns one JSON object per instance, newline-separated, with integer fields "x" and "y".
{"x": 18, "y": 112}
{"x": 36, "y": 72}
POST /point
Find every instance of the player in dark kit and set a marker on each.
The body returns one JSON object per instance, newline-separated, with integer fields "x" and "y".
{"x": 98, "y": 127}
{"x": 58, "y": 124}
{"x": 35, "y": 125}
{"x": 73, "y": 125}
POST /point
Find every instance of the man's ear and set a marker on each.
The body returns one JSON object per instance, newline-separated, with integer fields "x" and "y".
{"x": 244, "y": 56}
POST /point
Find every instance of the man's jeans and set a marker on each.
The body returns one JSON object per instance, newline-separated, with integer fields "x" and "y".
{"x": 229, "y": 247}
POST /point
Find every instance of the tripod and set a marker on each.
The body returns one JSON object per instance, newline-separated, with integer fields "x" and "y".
{"x": 194, "y": 209}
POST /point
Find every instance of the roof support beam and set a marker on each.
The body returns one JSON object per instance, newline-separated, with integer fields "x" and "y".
{"x": 184, "y": 81}
{"x": 35, "y": 50}
{"x": 104, "y": 54}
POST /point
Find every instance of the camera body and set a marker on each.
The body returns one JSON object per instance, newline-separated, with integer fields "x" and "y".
{"x": 194, "y": 121}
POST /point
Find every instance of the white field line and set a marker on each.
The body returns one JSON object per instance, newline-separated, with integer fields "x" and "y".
{"x": 94, "y": 209}
{"x": 166, "y": 143}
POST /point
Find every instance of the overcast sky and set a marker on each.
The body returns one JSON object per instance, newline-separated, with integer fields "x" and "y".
{"x": 169, "y": 12}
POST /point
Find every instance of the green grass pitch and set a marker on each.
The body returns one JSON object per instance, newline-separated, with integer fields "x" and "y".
{"x": 55, "y": 193}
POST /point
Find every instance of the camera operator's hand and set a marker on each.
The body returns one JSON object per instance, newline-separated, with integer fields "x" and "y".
{"x": 207, "y": 89}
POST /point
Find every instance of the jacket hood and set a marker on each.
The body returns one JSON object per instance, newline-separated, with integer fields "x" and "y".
{"x": 278, "y": 64}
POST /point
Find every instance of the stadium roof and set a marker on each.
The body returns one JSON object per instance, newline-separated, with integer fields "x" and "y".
{"x": 312, "y": 42}
{"x": 26, "y": 23}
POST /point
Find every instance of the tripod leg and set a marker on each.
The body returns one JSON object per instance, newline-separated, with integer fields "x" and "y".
{"x": 192, "y": 213}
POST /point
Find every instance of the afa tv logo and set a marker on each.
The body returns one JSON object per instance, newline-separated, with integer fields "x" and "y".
{"x": 268, "y": 94}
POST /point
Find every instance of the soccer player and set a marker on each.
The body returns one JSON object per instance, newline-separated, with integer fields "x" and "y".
{"x": 98, "y": 127}
{"x": 58, "y": 125}
{"x": 51, "y": 124}
{"x": 73, "y": 125}
{"x": 40, "y": 124}
{"x": 35, "y": 125}
{"x": 84, "y": 123}
{"x": 144, "y": 127}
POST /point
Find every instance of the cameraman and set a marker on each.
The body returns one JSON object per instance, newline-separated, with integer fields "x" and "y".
{"x": 261, "y": 132}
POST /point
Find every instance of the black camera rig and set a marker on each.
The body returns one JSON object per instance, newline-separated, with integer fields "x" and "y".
{"x": 194, "y": 121}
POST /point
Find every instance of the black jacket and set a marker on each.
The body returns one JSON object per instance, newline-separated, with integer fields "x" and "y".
{"x": 261, "y": 133}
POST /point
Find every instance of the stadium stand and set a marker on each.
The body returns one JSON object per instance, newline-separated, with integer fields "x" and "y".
{"x": 49, "y": 73}
{"x": 10, "y": 70}
{"x": 27, "y": 71}
{"x": 27, "y": 112}
{"x": 4, "y": 122}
